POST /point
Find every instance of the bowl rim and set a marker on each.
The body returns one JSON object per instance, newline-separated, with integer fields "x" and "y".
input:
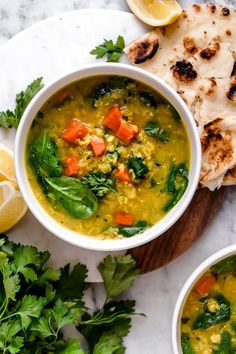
{"x": 148, "y": 79}
{"x": 188, "y": 285}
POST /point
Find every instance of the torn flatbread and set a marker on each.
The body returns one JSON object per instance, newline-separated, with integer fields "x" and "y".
{"x": 196, "y": 55}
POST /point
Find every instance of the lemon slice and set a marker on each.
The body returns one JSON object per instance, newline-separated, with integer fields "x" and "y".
{"x": 6, "y": 164}
{"x": 12, "y": 205}
{"x": 155, "y": 12}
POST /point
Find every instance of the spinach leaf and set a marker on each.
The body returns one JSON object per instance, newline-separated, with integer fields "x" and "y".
{"x": 225, "y": 346}
{"x": 182, "y": 170}
{"x": 174, "y": 113}
{"x": 117, "y": 85}
{"x": 99, "y": 183}
{"x": 172, "y": 186}
{"x": 44, "y": 157}
{"x": 137, "y": 165}
{"x": 208, "y": 319}
{"x": 170, "y": 183}
{"x": 152, "y": 128}
{"x": 186, "y": 345}
{"x": 148, "y": 99}
{"x": 177, "y": 196}
{"x": 101, "y": 90}
{"x": 129, "y": 231}
{"x": 233, "y": 326}
{"x": 225, "y": 266}
{"x": 77, "y": 199}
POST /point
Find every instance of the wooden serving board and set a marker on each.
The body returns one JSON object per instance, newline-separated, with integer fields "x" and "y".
{"x": 182, "y": 234}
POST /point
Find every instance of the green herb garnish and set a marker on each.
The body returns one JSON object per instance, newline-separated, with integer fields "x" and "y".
{"x": 225, "y": 266}
{"x": 186, "y": 345}
{"x": 99, "y": 183}
{"x": 105, "y": 329}
{"x": 153, "y": 129}
{"x": 11, "y": 119}
{"x": 44, "y": 156}
{"x": 37, "y": 302}
{"x": 226, "y": 345}
{"x": 138, "y": 167}
{"x": 148, "y": 99}
{"x": 112, "y": 50}
{"x": 208, "y": 319}
{"x": 176, "y": 184}
{"x": 129, "y": 231}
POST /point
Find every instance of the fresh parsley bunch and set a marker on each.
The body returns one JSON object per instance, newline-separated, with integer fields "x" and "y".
{"x": 37, "y": 301}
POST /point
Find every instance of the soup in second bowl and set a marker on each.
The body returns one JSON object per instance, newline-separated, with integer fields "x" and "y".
{"x": 208, "y": 323}
{"x": 107, "y": 156}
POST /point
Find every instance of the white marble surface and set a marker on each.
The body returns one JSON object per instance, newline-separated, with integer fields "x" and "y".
{"x": 155, "y": 292}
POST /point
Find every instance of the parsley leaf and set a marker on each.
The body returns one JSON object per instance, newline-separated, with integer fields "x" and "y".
{"x": 99, "y": 183}
{"x": 153, "y": 129}
{"x": 118, "y": 274}
{"x": 24, "y": 256}
{"x": 112, "y": 50}
{"x": 72, "y": 284}
{"x": 11, "y": 119}
{"x": 31, "y": 306}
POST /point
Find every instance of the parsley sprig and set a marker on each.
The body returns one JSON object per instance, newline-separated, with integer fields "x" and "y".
{"x": 11, "y": 119}
{"x": 112, "y": 50}
{"x": 99, "y": 183}
{"x": 37, "y": 301}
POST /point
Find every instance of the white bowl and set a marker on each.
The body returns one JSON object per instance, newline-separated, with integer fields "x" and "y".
{"x": 79, "y": 239}
{"x": 193, "y": 278}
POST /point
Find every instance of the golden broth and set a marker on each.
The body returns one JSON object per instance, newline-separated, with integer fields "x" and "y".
{"x": 144, "y": 198}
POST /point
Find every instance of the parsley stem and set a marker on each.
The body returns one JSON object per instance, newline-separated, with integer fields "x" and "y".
{"x": 4, "y": 306}
{"x": 9, "y": 316}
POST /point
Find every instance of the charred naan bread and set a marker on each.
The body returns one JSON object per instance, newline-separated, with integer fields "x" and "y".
{"x": 196, "y": 55}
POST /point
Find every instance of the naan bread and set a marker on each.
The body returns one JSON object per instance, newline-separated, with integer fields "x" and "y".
{"x": 196, "y": 55}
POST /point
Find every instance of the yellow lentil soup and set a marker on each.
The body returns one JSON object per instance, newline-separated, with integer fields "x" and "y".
{"x": 208, "y": 323}
{"x": 107, "y": 156}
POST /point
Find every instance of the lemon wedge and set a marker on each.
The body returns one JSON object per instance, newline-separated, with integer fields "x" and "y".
{"x": 6, "y": 164}
{"x": 12, "y": 205}
{"x": 155, "y": 12}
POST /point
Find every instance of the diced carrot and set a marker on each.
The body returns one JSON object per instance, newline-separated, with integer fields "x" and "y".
{"x": 98, "y": 145}
{"x": 113, "y": 119}
{"x": 124, "y": 219}
{"x": 71, "y": 166}
{"x": 126, "y": 131}
{"x": 123, "y": 175}
{"x": 63, "y": 95}
{"x": 205, "y": 284}
{"x": 75, "y": 130}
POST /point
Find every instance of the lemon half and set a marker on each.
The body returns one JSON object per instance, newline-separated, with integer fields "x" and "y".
{"x": 155, "y": 12}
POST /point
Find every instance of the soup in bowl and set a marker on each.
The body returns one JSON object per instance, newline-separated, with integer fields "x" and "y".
{"x": 108, "y": 156}
{"x": 205, "y": 315}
